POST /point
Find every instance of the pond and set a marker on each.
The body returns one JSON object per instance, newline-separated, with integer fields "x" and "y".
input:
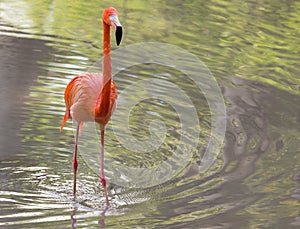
{"x": 206, "y": 133}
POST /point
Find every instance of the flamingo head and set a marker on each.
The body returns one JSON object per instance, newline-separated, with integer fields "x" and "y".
{"x": 110, "y": 17}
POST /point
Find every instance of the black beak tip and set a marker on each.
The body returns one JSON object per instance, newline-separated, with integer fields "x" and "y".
{"x": 119, "y": 33}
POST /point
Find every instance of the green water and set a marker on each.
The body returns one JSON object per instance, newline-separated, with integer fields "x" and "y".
{"x": 251, "y": 49}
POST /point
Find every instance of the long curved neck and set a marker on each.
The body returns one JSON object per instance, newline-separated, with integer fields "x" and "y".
{"x": 106, "y": 62}
{"x": 103, "y": 105}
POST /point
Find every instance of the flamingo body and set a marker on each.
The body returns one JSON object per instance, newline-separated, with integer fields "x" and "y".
{"x": 83, "y": 100}
{"x": 92, "y": 96}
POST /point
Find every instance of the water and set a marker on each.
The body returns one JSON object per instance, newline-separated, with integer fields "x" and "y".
{"x": 252, "y": 50}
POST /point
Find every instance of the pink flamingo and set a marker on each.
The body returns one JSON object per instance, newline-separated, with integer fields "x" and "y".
{"x": 92, "y": 96}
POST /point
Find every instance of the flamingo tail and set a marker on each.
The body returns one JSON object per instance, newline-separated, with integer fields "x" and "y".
{"x": 65, "y": 119}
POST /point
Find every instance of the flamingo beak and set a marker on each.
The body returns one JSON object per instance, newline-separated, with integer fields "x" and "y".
{"x": 117, "y": 27}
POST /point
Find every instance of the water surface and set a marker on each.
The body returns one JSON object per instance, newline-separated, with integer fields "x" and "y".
{"x": 251, "y": 48}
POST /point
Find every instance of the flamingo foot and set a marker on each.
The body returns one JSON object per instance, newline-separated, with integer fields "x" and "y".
{"x": 103, "y": 182}
{"x": 75, "y": 166}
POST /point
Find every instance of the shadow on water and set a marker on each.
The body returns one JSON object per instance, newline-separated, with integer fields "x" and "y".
{"x": 15, "y": 83}
{"x": 255, "y": 165}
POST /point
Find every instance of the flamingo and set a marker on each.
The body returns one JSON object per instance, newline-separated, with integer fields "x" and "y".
{"x": 92, "y": 96}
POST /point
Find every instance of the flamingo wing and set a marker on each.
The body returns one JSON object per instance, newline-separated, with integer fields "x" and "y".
{"x": 80, "y": 97}
{"x": 105, "y": 107}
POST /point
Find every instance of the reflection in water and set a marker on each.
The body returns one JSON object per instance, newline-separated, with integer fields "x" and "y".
{"x": 73, "y": 220}
{"x": 101, "y": 221}
{"x": 253, "y": 184}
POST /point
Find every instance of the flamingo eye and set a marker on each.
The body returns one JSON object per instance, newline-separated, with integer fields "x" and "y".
{"x": 111, "y": 17}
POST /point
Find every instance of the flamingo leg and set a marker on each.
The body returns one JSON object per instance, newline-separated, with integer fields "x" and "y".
{"x": 74, "y": 161}
{"x": 102, "y": 176}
